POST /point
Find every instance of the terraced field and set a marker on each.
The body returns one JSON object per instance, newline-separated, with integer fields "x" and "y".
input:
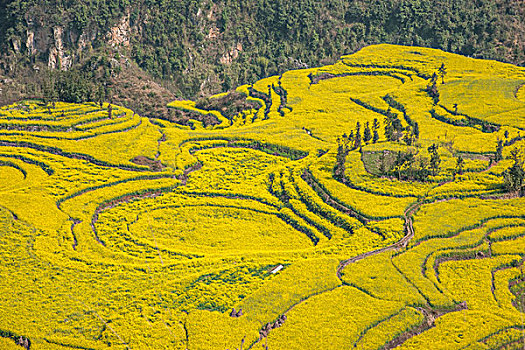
{"x": 249, "y": 227}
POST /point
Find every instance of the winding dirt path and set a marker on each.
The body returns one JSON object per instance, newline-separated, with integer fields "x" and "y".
{"x": 429, "y": 322}
{"x": 402, "y": 243}
{"x": 159, "y": 142}
{"x": 265, "y": 330}
{"x": 398, "y": 245}
{"x": 430, "y": 315}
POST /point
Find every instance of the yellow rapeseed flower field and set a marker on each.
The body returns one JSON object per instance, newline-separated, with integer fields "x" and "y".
{"x": 316, "y": 216}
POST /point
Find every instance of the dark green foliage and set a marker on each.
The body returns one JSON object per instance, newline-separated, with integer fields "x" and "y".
{"x": 389, "y": 129}
{"x": 357, "y": 136}
{"x": 375, "y": 125}
{"x": 435, "y": 159}
{"x": 468, "y": 121}
{"x": 433, "y": 92}
{"x": 460, "y": 165}
{"x": 405, "y": 166}
{"x": 403, "y": 159}
{"x": 72, "y": 87}
{"x": 442, "y": 72}
{"x": 499, "y": 151}
{"x": 340, "y": 160}
{"x": 408, "y": 138}
{"x": 174, "y": 41}
{"x": 375, "y": 138}
{"x": 393, "y": 126}
{"x": 229, "y": 105}
{"x": 375, "y": 128}
{"x": 514, "y": 177}
{"x": 434, "y": 78}
{"x": 367, "y": 134}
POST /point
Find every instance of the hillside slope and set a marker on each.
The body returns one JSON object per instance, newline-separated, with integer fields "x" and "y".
{"x": 120, "y": 231}
{"x": 201, "y": 47}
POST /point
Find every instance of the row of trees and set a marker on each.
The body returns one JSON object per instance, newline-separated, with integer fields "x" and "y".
{"x": 513, "y": 177}
{"x": 393, "y": 129}
{"x": 354, "y": 140}
{"x": 408, "y": 166}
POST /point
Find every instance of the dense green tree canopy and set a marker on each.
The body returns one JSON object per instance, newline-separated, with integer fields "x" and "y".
{"x": 188, "y": 41}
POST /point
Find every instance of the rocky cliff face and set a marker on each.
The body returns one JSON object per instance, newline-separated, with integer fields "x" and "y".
{"x": 119, "y": 35}
{"x": 60, "y": 47}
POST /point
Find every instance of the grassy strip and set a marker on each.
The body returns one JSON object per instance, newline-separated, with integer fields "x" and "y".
{"x": 237, "y": 142}
{"x": 88, "y": 131}
{"x": 416, "y": 71}
{"x": 316, "y": 78}
{"x": 467, "y": 228}
{"x": 13, "y": 165}
{"x": 318, "y": 210}
{"x": 370, "y": 107}
{"x": 400, "y": 107}
{"x": 93, "y": 188}
{"x": 472, "y": 122}
{"x": 283, "y": 94}
{"x": 321, "y": 190}
{"x": 57, "y": 151}
{"x": 46, "y": 168}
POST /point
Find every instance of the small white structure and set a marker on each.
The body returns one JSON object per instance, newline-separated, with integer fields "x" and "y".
{"x": 277, "y": 269}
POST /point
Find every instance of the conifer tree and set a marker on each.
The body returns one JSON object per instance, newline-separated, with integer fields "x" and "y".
{"x": 101, "y": 95}
{"x": 409, "y": 136}
{"x": 367, "y": 135}
{"x": 514, "y": 177}
{"x": 357, "y": 136}
{"x": 435, "y": 159}
{"x": 389, "y": 127}
{"x": 342, "y": 152}
{"x": 375, "y": 128}
{"x": 375, "y": 125}
{"x": 499, "y": 151}
{"x": 375, "y": 138}
{"x": 434, "y": 78}
{"x": 416, "y": 130}
{"x": 442, "y": 72}
{"x": 382, "y": 164}
{"x": 460, "y": 165}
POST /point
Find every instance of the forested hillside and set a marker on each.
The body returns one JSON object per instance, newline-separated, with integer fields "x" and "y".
{"x": 200, "y": 47}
